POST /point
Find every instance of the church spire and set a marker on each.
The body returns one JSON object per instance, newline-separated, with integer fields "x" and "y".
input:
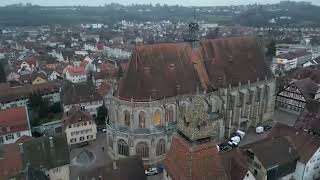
{"x": 193, "y": 32}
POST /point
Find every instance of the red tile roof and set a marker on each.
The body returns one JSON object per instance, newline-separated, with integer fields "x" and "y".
{"x": 104, "y": 89}
{"x": 76, "y": 71}
{"x": 168, "y": 69}
{"x": 235, "y": 164}
{"x": 14, "y": 120}
{"x": 305, "y": 143}
{"x": 187, "y": 162}
{"x": 10, "y": 160}
{"x": 76, "y": 115}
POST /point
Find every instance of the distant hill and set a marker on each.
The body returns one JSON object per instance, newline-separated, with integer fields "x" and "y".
{"x": 286, "y": 13}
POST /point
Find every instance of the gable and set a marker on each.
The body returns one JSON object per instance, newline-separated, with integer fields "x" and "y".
{"x": 292, "y": 92}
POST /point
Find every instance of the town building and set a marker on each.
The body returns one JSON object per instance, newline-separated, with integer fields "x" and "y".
{"x": 10, "y": 161}
{"x": 290, "y": 60}
{"x": 76, "y": 74}
{"x": 272, "y": 158}
{"x": 11, "y": 97}
{"x": 49, "y": 155}
{"x": 307, "y": 147}
{"x": 14, "y": 123}
{"x": 294, "y": 97}
{"x": 82, "y": 95}
{"x": 79, "y": 126}
{"x": 162, "y": 80}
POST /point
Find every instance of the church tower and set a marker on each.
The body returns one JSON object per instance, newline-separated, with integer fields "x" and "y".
{"x": 193, "y": 154}
{"x": 193, "y": 32}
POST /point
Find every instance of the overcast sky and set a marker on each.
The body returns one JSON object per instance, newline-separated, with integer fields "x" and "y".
{"x": 170, "y": 2}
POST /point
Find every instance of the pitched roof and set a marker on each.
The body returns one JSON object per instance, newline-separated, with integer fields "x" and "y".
{"x": 168, "y": 69}
{"x": 40, "y": 153}
{"x": 272, "y": 152}
{"x": 307, "y": 87}
{"x": 8, "y": 94}
{"x": 85, "y": 92}
{"x": 185, "y": 161}
{"x": 75, "y": 115}
{"x": 129, "y": 168}
{"x": 305, "y": 144}
{"x": 104, "y": 89}
{"x": 10, "y": 160}
{"x": 76, "y": 71}
{"x": 14, "y": 120}
{"x": 235, "y": 164}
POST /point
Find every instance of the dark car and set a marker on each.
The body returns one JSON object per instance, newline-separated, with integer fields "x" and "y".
{"x": 267, "y": 127}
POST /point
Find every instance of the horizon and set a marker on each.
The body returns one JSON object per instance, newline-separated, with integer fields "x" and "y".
{"x": 168, "y": 2}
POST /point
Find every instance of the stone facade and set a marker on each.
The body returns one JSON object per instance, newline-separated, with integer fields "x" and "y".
{"x": 142, "y": 127}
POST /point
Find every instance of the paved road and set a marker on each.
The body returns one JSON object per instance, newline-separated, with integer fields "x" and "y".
{"x": 157, "y": 177}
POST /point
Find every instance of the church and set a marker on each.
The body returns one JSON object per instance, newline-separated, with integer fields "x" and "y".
{"x": 163, "y": 80}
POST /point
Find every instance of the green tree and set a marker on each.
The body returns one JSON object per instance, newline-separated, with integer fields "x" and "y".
{"x": 101, "y": 116}
{"x": 271, "y": 49}
{"x": 3, "y": 77}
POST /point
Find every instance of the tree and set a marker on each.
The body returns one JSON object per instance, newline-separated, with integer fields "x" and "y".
{"x": 101, "y": 116}
{"x": 3, "y": 77}
{"x": 271, "y": 49}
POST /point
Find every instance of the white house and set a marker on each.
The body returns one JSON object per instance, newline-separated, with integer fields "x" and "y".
{"x": 14, "y": 123}
{"x": 308, "y": 148}
{"x": 79, "y": 126}
{"x": 76, "y": 75}
{"x": 54, "y": 75}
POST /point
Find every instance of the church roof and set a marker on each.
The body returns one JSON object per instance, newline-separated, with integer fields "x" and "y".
{"x": 168, "y": 69}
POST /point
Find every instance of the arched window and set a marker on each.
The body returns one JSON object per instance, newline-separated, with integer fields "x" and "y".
{"x": 126, "y": 118}
{"x": 169, "y": 115}
{"x": 142, "y": 150}
{"x": 156, "y": 118}
{"x": 123, "y": 148}
{"x": 142, "y": 119}
{"x": 161, "y": 147}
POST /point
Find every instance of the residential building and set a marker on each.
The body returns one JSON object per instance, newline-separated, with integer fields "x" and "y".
{"x": 10, "y": 161}
{"x": 272, "y": 158}
{"x": 79, "y": 126}
{"x": 307, "y": 147}
{"x": 290, "y": 60}
{"x": 76, "y": 74}
{"x": 14, "y": 123}
{"x": 19, "y": 96}
{"x": 81, "y": 95}
{"x": 30, "y": 64}
{"x": 294, "y": 97}
{"x": 118, "y": 52}
{"x": 48, "y": 154}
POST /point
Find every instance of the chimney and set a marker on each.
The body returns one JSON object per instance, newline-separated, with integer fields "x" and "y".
{"x": 51, "y": 142}
{"x": 290, "y": 150}
{"x": 114, "y": 164}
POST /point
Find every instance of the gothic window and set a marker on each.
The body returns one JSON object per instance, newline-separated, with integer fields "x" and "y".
{"x": 161, "y": 147}
{"x": 142, "y": 119}
{"x": 126, "y": 118}
{"x": 249, "y": 96}
{"x": 266, "y": 93}
{"x": 142, "y": 150}
{"x": 157, "y": 118}
{"x": 169, "y": 115}
{"x": 241, "y": 97}
{"x": 123, "y": 148}
{"x": 258, "y": 95}
{"x": 231, "y": 102}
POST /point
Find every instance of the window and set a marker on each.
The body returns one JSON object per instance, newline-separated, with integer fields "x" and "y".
{"x": 123, "y": 148}
{"x": 156, "y": 118}
{"x": 9, "y": 137}
{"x": 69, "y": 126}
{"x": 142, "y": 150}
{"x": 85, "y": 123}
{"x": 142, "y": 119}
{"x": 1, "y": 139}
{"x": 258, "y": 95}
{"x": 73, "y": 140}
{"x": 161, "y": 147}
{"x": 127, "y": 118}
{"x": 81, "y": 138}
{"x": 241, "y": 97}
{"x": 169, "y": 115}
{"x": 18, "y": 134}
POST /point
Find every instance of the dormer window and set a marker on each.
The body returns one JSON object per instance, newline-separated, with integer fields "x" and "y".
{"x": 172, "y": 67}
{"x": 147, "y": 70}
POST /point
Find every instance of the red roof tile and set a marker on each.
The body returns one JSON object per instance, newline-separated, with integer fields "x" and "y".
{"x": 76, "y": 115}
{"x": 187, "y": 162}
{"x": 14, "y": 120}
{"x": 10, "y": 160}
{"x": 76, "y": 71}
{"x": 168, "y": 69}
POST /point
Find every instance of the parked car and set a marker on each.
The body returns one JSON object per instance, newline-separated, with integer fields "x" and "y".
{"x": 259, "y": 129}
{"x": 151, "y": 171}
{"x": 233, "y": 144}
{"x": 266, "y": 128}
{"x": 241, "y": 134}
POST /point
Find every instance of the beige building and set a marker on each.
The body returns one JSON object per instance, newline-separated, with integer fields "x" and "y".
{"x": 79, "y": 126}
